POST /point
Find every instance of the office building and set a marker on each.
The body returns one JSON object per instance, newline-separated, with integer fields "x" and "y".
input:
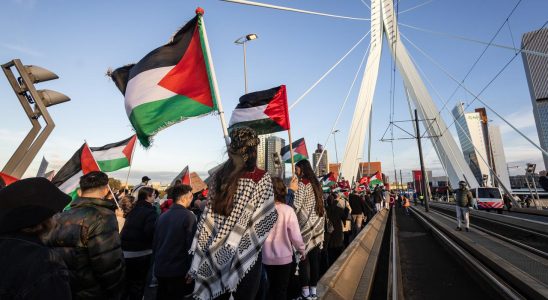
{"x": 323, "y": 166}
{"x": 498, "y": 156}
{"x": 261, "y": 151}
{"x": 472, "y": 142}
{"x": 364, "y": 169}
{"x": 274, "y": 165}
{"x": 536, "y": 70}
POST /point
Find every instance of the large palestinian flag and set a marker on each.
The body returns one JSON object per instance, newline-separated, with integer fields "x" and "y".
{"x": 114, "y": 156}
{"x": 299, "y": 151}
{"x": 170, "y": 84}
{"x": 265, "y": 111}
{"x": 68, "y": 177}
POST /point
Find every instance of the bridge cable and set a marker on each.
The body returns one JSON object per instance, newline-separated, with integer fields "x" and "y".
{"x": 328, "y": 71}
{"x": 477, "y": 96}
{"x": 343, "y": 105}
{"x": 415, "y": 7}
{"x": 259, "y": 4}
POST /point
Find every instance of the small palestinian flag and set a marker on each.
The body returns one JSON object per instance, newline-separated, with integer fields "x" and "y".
{"x": 375, "y": 179}
{"x": 264, "y": 111}
{"x": 68, "y": 177}
{"x": 184, "y": 177}
{"x": 170, "y": 84}
{"x": 114, "y": 156}
{"x": 299, "y": 151}
{"x": 6, "y": 179}
{"x": 329, "y": 180}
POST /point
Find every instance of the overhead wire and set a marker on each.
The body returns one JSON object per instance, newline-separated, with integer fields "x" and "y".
{"x": 477, "y": 96}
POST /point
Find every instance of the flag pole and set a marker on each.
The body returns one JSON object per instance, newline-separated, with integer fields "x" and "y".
{"x": 130, "y": 164}
{"x": 291, "y": 152}
{"x": 200, "y": 12}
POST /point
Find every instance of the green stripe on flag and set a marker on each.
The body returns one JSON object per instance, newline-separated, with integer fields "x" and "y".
{"x": 261, "y": 126}
{"x": 112, "y": 165}
{"x": 297, "y": 157}
{"x": 151, "y": 117}
{"x": 206, "y": 60}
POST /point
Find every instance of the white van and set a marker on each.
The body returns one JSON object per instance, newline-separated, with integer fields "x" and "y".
{"x": 487, "y": 198}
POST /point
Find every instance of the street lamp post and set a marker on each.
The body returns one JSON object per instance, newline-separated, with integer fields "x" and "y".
{"x": 336, "y": 152}
{"x": 242, "y": 41}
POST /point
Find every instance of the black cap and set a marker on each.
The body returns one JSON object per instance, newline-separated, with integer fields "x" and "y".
{"x": 145, "y": 178}
{"x": 29, "y": 202}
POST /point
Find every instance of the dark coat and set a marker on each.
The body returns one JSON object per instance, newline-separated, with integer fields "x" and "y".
{"x": 336, "y": 215}
{"x": 139, "y": 227}
{"x": 463, "y": 197}
{"x": 356, "y": 204}
{"x": 87, "y": 238}
{"x": 172, "y": 241}
{"x": 378, "y": 195}
{"x": 31, "y": 270}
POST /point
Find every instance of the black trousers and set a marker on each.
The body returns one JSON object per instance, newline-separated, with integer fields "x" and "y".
{"x": 334, "y": 253}
{"x": 278, "y": 279}
{"x": 136, "y": 276}
{"x": 173, "y": 288}
{"x": 309, "y": 269}
{"x": 249, "y": 285}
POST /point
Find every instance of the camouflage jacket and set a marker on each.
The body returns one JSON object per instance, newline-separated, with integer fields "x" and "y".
{"x": 87, "y": 238}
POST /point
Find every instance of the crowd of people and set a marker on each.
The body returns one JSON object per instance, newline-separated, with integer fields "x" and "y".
{"x": 253, "y": 237}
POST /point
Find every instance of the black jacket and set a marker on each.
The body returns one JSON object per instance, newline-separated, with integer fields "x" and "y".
{"x": 336, "y": 215}
{"x": 87, "y": 238}
{"x": 30, "y": 270}
{"x": 172, "y": 241}
{"x": 139, "y": 227}
{"x": 356, "y": 204}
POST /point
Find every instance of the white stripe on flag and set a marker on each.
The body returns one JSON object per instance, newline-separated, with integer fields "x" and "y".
{"x": 112, "y": 153}
{"x": 144, "y": 88}
{"x": 248, "y": 114}
{"x": 72, "y": 183}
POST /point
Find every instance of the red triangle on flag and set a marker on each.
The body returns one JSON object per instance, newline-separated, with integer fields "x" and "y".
{"x": 7, "y": 179}
{"x": 278, "y": 110}
{"x": 128, "y": 150}
{"x": 87, "y": 161}
{"x": 189, "y": 77}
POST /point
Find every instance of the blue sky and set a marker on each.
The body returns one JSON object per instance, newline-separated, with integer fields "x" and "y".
{"x": 80, "y": 40}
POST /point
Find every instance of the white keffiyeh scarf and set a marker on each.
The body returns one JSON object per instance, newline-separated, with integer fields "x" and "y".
{"x": 312, "y": 225}
{"x": 226, "y": 247}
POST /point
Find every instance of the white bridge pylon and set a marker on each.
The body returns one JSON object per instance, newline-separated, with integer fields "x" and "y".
{"x": 384, "y": 24}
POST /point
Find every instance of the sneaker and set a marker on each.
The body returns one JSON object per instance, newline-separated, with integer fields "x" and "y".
{"x": 459, "y": 229}
{"x": 467, "y": 230}
{"x": 314, "y": 297}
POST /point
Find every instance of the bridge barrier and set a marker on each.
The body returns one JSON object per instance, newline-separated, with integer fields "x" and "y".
{"x": 352, "y": 275}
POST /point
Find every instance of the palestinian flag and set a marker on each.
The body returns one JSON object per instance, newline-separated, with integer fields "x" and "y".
{"x": 299, "y": 151}
{"x": 184, "y": 177}
{"x": 68, "y": 177}
{"x": 375, "y": 179}
{"x": 114, "y": 156}
{"x": 170, "y": 84}
{"x": 328, "y": 181}
{"x": 265, "y": 111}
{"x": 6, "y": 179}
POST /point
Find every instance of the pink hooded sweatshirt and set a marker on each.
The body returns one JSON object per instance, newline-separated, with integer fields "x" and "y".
{"x": 277, "y": 249}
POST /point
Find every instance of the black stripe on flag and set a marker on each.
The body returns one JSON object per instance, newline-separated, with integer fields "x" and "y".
{"x": 111, "y": 145}
{"x": 71, "y": 168}
{"x": 285, "y": 149}
{"x": 167, "y": 55}
{"x": 257, "y": 98}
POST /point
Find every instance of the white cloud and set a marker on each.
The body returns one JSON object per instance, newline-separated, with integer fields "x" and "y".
{"x": 22, "y": 49}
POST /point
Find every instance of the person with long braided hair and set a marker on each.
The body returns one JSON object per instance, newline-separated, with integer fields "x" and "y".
{"x": 234, "y": 225}
{"x": 309, "y": 207}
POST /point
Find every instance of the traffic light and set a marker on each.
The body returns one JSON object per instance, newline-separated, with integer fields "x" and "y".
{"x": 35, "y": 103}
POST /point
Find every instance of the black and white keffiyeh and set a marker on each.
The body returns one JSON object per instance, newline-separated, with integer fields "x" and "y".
{"x": 226, "y": 247}
{"x": 311, "y": 224}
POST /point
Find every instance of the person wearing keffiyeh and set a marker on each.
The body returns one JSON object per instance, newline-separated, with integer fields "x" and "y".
{"x": 234, "y": 225}
{"x": 310, "y": 213}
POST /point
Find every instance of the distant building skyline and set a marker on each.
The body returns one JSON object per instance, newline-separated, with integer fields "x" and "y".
{"x": 272, "y": 148}
{"x": 536, "y": 70}
{"x": 323, "y": 166}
